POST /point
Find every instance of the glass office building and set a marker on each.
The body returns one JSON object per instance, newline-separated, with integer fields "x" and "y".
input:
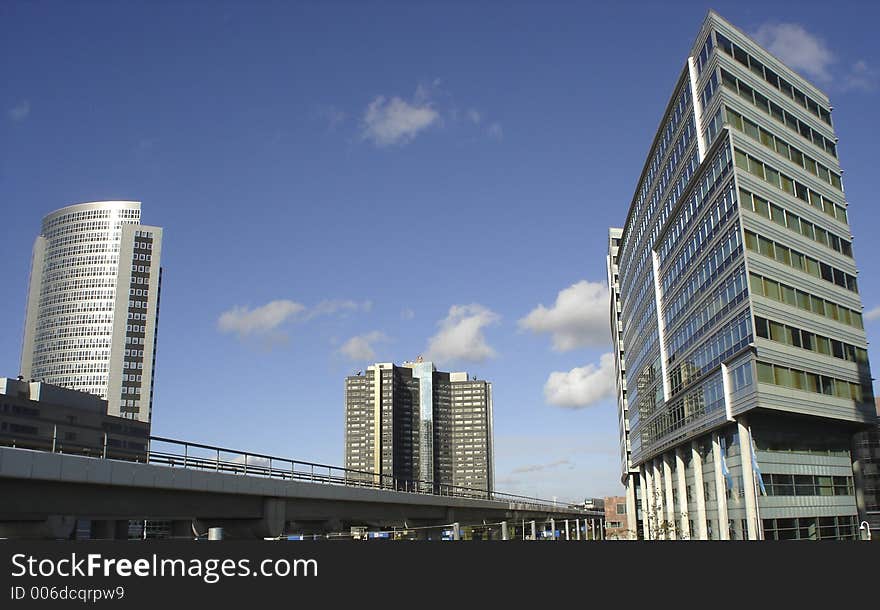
{"x": 93, "y": 305}
{"x": 735, "y": 300}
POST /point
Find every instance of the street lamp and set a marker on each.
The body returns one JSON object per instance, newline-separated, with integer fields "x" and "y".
{"x": 865, "y": 530}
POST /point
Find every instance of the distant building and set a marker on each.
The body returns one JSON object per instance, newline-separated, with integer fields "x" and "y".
{"x": 41, "y": 416}
{"x": 93, "y": 305}
{"x": 616, "y": 524}
{"x": 413, "y": 423}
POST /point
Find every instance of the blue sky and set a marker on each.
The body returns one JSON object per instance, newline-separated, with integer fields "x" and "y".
{"x": 341, "y": 183}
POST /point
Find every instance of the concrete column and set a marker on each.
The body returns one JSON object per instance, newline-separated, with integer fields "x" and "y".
{"x": 659, "y": 500}
{"x": 720, "y": 489}
{"x": 534, "y": 533}
{"x": 702, "y": 532}
{"x": 643, "y": 488}
{"x": 553, "y": 529}
{"x": 649, "y": 500}
{"x": 456, "y": 531}
{"x": 577, "y": 526}
{"x": 745, "y": 452}
{"x": 592, "y": 529}
{"x": 632, "y": 515}
{"x": 682, "y": 494}
{"x": 567, "y": 537}
{"x": 669, "y": 497}
{"x": 505, "y": 535}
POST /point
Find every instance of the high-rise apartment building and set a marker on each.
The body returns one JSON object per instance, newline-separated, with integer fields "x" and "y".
{"x": 412, "y": 423}
{"x": 93, "y": 305}
{"x": 736, "y": 302}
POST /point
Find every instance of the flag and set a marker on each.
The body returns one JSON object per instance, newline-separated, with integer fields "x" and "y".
{"x": 724, "y": 469}
{"x": 756, "y": 469}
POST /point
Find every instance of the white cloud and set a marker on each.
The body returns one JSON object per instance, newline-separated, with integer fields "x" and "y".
{"x": 361, "y": 346}
{"x": 540, "y": 467}
{"x": 265, "y": 320}
{"x": 332, "y": 115}
{"x": 797, "y": 48}
{"x": 325, "y": 308}
{"x": 259, "y": 320}
{"x": 461, "y": 335}
{"x": 397, "y": 121}
{"x": 583, "y": 386}
{"x": 579, "y": 318}
{"x": 474, "y": 116}
{"x": 494, "y": 130}
{"x": 407, "y": 314}
{"x": 861, "y": 76}
{"x": 873, "y": 314}
{"x": 20, "y": 111}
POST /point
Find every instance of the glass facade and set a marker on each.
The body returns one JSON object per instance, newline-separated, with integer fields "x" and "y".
{"x": 738, "y": 297}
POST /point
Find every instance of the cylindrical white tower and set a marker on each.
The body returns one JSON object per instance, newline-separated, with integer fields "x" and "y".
{"x": 93, "y": 304}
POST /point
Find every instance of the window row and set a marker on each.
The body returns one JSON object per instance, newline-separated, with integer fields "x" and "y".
{"x": 805, "y": 528}
{"x": 761, "y": 102}
{"x": 702, "y": 234}
{"x": 783, "y": 293}
{"x": 794, "y": 188}
{"x": 801, "y": 262}
{"x": 727, "y": 341}
{"x": 709, "y": 89}
{"x": 705, "y": 51}
{"x": 796, "y": 379}
{"x": 774, "y": 79}
{"x": 784, "y": 149}
{"x": 685, "y": 409}
{"x": 786, "y": 218}
{"x": 710, "y": 266}
{"x": 807, "y": 485}
{"x": 789, "y": 335}
{"x": 709, "y": 183}
{"x": 727, "y": 296}
{"x": 668, "y": 131}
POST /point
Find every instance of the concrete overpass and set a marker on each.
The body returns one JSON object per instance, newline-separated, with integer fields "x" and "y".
{"x": 197, "y": 487}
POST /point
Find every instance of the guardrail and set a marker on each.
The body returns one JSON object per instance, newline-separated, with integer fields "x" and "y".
{"x": 184, "y": 454}
{"x": 173, "y": 453}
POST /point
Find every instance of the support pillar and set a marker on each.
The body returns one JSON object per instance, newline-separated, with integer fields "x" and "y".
{"x": 456, "y": 531}
{"x": 552, "y": 529}
{"x": 534, "y": 533}
{"x": 566, "y": 530}
{"x": 643, "y": 488}
{"x": 682, "y": 495}
{"x": 669, "y": 498}
{"x": 749, "y": 491}
{"x": 699, "y": 493}
{"x": 577, "y": 525}
{"x": 649, "y": 499}
{"x": 720, "y": 490}
{"x": 632, "y": 515}
{"x": 592, "y": 529}
{"x": 659, "y": 513}
{"x": 505, "y": 535}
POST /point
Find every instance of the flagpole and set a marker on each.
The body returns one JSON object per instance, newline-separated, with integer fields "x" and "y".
{"x": 755, "y": 486}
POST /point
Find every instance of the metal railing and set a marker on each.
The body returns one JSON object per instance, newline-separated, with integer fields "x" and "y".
{"x": 173, "y": 453}
{"x": 183, "y": 454}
